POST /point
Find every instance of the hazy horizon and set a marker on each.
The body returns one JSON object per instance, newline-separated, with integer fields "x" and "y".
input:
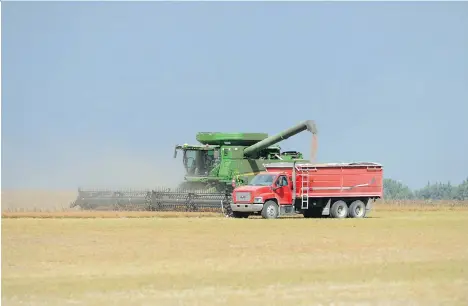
{"x": 98, "y": 94}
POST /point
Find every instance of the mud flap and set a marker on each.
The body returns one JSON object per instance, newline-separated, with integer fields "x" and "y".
{"x": 369, "y": 204}
{"x": 326, "y": 209}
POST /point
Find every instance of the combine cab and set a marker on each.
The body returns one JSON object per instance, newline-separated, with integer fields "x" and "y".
{"x": 213, "y": 168}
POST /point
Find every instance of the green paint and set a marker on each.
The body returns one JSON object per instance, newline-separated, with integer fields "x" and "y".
{"x": 234, "y": 139}
{"x": 222, "y": 157}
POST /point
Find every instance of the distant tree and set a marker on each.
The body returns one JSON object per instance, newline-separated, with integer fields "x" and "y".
{"x": 394, "y": 190}
{"x": 462, "y": 191}
{"x": 437, "y": 191}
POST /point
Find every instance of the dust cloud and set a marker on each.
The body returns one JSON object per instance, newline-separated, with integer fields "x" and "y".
{"x": 52, "y": 183}
{"x": 120, "y": 171}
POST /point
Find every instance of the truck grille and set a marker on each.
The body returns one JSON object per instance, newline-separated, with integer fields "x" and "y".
{"x": 243, "y": 196}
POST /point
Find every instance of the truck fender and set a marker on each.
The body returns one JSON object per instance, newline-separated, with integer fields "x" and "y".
{"x": 326, "y": 209}
{"x": 270, "y": 197}
{"x": 277, "y": 201}
{"x": 274, "y": 199}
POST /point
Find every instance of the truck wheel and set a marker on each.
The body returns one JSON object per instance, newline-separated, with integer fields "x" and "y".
{"x": 270, "y": 210}
{"x": 339, "y": 210}
{"x": 357, "y": 209}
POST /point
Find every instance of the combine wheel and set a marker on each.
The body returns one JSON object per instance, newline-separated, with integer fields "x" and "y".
{"x": 357, "y": 209}
{"x": 270, "y": 210}
{"x": 339, "y": 210}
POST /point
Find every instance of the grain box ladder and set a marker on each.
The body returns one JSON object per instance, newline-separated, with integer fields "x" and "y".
{"x": 305, "y": 189}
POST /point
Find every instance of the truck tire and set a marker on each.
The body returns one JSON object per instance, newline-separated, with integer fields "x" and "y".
{"x": 357, "y": 209}
{"x": 270, "y": 210}
{"x": 339, "y": 210}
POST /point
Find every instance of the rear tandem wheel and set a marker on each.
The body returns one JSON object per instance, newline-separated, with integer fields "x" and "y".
{"x": 339, "y": 210}
{"x": 357, "y": 209}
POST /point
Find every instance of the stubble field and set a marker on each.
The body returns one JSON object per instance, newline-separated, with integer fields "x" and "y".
{"x": 402, "y": 254}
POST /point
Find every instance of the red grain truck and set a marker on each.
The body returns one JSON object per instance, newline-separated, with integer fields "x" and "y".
{"x": 338, "y": 190}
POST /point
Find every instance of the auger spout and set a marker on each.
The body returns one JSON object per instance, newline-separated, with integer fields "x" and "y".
{"x": 265, "y": 143}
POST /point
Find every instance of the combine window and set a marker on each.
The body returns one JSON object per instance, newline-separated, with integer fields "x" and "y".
{"x": 198, "y": 162}
{"x": 189, "y": 159}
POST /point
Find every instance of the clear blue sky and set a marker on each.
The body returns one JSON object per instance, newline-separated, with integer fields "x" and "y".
{"x": 90, "y": 85}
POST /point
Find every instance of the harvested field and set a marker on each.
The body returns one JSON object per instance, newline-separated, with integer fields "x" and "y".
{"x": 44, "y": 203}
{"x": 391, "y": 258}
{"x": 169, "y": 214}
{"x": 108, "y": 214}
{"x": 37, "y": 200}
{"x": 440, "y": 205}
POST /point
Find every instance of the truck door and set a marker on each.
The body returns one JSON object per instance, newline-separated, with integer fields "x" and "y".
{"x": 283, "y": 190}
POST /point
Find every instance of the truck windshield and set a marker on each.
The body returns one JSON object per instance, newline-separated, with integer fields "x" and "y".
{"x": 262, "y": 180}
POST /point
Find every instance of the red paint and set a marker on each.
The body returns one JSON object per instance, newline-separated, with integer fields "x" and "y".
{"x": 325, "y": 181}
{"x": 283, "y": 193}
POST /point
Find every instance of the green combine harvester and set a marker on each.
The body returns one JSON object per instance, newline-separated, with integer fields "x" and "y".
{"x": 213, "y": 167}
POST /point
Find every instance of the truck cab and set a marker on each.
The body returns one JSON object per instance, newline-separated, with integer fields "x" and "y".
{"x": 265, "y": 187}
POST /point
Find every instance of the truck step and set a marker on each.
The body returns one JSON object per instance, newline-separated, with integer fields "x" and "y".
{"x": 305, "y": 203}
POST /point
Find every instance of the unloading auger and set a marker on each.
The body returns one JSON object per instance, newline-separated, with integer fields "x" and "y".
{"x": 213, "y": 168}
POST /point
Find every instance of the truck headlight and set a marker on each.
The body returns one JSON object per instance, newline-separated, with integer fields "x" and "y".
{"x": 258, "y": 200}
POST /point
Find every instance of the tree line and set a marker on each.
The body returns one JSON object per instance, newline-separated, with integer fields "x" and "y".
{"x": 395, "y": 190}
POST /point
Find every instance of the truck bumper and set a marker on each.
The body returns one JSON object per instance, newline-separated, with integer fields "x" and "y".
{"x": 246, "y": 207}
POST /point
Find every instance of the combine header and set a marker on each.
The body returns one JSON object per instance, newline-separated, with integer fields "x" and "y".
{"x": 213, "y": 168}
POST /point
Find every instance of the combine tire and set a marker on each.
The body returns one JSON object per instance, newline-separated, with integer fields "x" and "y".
{"x": 357, "y": 209}
{"x": 270, "y": 210}
{"x": 339, "y": 210}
